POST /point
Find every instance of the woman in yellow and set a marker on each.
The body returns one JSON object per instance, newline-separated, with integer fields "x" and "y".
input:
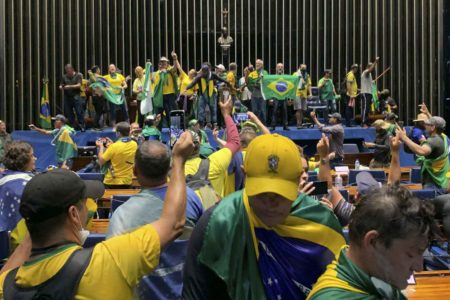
{"x": 187, "y": 96}
{"x": 138, "y": 90}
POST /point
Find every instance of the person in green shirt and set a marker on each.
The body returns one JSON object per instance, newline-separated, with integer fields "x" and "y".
{"x": 328, "y": 91}
{"x": 150, "y": 130}
{"x": 389, "y": 231}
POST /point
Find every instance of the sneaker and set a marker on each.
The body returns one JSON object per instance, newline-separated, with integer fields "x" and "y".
{"x": 286, "y": 128}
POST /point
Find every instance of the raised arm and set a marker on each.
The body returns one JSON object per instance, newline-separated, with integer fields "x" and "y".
{"x": 173, "y": 217}
{"x": 233, "y": 142}
{"x": 394, "y": 168}
{"x": 252, "y": 117}
{"x": 422, "y": 150}
{"x": 40, "y": 130}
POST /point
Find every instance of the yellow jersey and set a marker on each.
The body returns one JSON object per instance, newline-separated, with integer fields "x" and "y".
{"x": 115, "y": 82}
{"x": 218, "y": 168}
{"x": 350, "y": 77}
{"x": 121, "y": 155}
{"x": 116, "y": 266}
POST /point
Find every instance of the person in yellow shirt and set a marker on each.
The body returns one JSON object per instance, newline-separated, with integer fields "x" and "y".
{"x": 232, "y": 79}
{"x": 165, "y": 88}
{"x": 303, "y": 91}
{"x": 54, "y": 208}
{"x": 187, "y": 96}
{"x": 351, "y": 94}
{"x": 219, "y": 161}
{"x": 119, "y": 84}
{"x": 138, "y": 90}
{"x": 118, "y": 158}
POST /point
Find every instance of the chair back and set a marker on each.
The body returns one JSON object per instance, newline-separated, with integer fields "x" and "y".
{"x": 118, "y": 200}
{"x": 424, "y": 194}
{"x": 92, "y": 176}
{"x": 351, "y": 148}
{"x": 378, "y": 175}
{"x": 93, "y": 239}
{"x": 415, "y": 176}
{"x": 166, "y": 281}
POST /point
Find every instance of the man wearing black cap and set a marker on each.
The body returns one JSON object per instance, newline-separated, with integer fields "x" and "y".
{"x": 336, "y": 132}
{"x": 328, "y": 91}
{"x": 54, "y": 207}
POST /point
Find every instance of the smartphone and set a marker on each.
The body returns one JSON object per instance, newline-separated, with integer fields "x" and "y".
{"x": 321, "y": 188}
{"x": 226, "y": 93}
{"x": 240, "y": 117}
{"x": 177, "y": 125}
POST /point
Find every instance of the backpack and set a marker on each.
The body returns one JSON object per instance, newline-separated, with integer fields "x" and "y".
{"x": 62, "y": 286}
{"x": 200, "y": 183}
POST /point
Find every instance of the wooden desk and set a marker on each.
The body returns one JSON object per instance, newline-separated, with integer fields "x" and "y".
{"x": 430, "y": 285}
{"x": 105, "y": 201}
{"x": 110, "y": 192}
{"x": 99, "y": 225}
{"x": 412, "y": 186}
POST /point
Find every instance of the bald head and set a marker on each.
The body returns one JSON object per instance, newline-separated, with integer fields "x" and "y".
{"x": 152, "y": 163}
{"x": 259, "y": 64}
{"x": 280, "y": 68}
{"x": 112, "y": 68}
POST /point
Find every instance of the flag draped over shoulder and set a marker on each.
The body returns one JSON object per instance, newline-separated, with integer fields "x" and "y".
{"x": 65, "y": 146}
{"x": 279, "y": 87}
{"x": 44, "y": 114}
{"x": 258, "y": 262}
{"x": 147, "y": 101}
{"x": 100, "y": 83}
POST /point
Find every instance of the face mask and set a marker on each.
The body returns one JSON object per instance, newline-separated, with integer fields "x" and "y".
{"x": 82, "y": 232}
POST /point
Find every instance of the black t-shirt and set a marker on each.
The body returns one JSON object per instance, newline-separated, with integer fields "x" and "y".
{"x": 75, "y": 79}
{"x": 437, "y": 146}
{"x": 199, "y": 281}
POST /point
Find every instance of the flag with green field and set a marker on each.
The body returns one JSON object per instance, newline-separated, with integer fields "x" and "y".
{"x": 279, "y": 87}
{"x": 44, "y": 112}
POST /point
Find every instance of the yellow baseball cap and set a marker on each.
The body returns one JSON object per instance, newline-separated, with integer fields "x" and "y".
{"x": 272, "y": 165}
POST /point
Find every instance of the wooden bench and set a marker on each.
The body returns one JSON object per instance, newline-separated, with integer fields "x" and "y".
{"x": 99, "y": 225}
{"x": 430, "y": 285}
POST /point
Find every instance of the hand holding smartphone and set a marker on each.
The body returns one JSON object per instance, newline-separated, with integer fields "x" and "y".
{"x": 177, "y": 126}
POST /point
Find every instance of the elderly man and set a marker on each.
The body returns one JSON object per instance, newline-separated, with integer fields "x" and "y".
{"x": 432, "y": 154}
{"x": 265, "y": 241}
{"x": 254, "y": 85}
{"x": 54, "y": 207}
{"x": 389, "y": 231}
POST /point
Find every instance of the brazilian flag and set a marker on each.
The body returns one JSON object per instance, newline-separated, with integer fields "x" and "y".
{"x": 375, "y": 100}
{"x": 44, "y": 114}
{"x": 65, "y": 146}
{"x": 279, "y": 87}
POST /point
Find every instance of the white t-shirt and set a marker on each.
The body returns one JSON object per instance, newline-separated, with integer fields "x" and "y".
{"x": 366, "y": 82}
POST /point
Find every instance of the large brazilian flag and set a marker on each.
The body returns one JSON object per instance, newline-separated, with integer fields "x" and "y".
{"x": 44, "y": 113}
{"x": 279, "y": 87}
{"x": 257, "y": 262}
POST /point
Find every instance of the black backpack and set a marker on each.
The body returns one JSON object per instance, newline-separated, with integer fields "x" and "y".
{"x": 62, "y": 286}
{"x": 200, "y": 183}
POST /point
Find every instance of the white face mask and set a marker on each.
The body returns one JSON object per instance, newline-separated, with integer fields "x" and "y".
{"x": 83, "y": 232}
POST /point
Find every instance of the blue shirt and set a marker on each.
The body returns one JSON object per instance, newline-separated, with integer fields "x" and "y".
{"x": 146, "y": 207}
{"x": 11, "y": 187}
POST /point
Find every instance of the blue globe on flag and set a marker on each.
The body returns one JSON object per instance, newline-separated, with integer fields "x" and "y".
{"x": 281, "y": 86}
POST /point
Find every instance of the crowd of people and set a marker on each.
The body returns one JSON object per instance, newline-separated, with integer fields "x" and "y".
{"x": 250, "y": 220}
{"x": 197, "y": 92}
